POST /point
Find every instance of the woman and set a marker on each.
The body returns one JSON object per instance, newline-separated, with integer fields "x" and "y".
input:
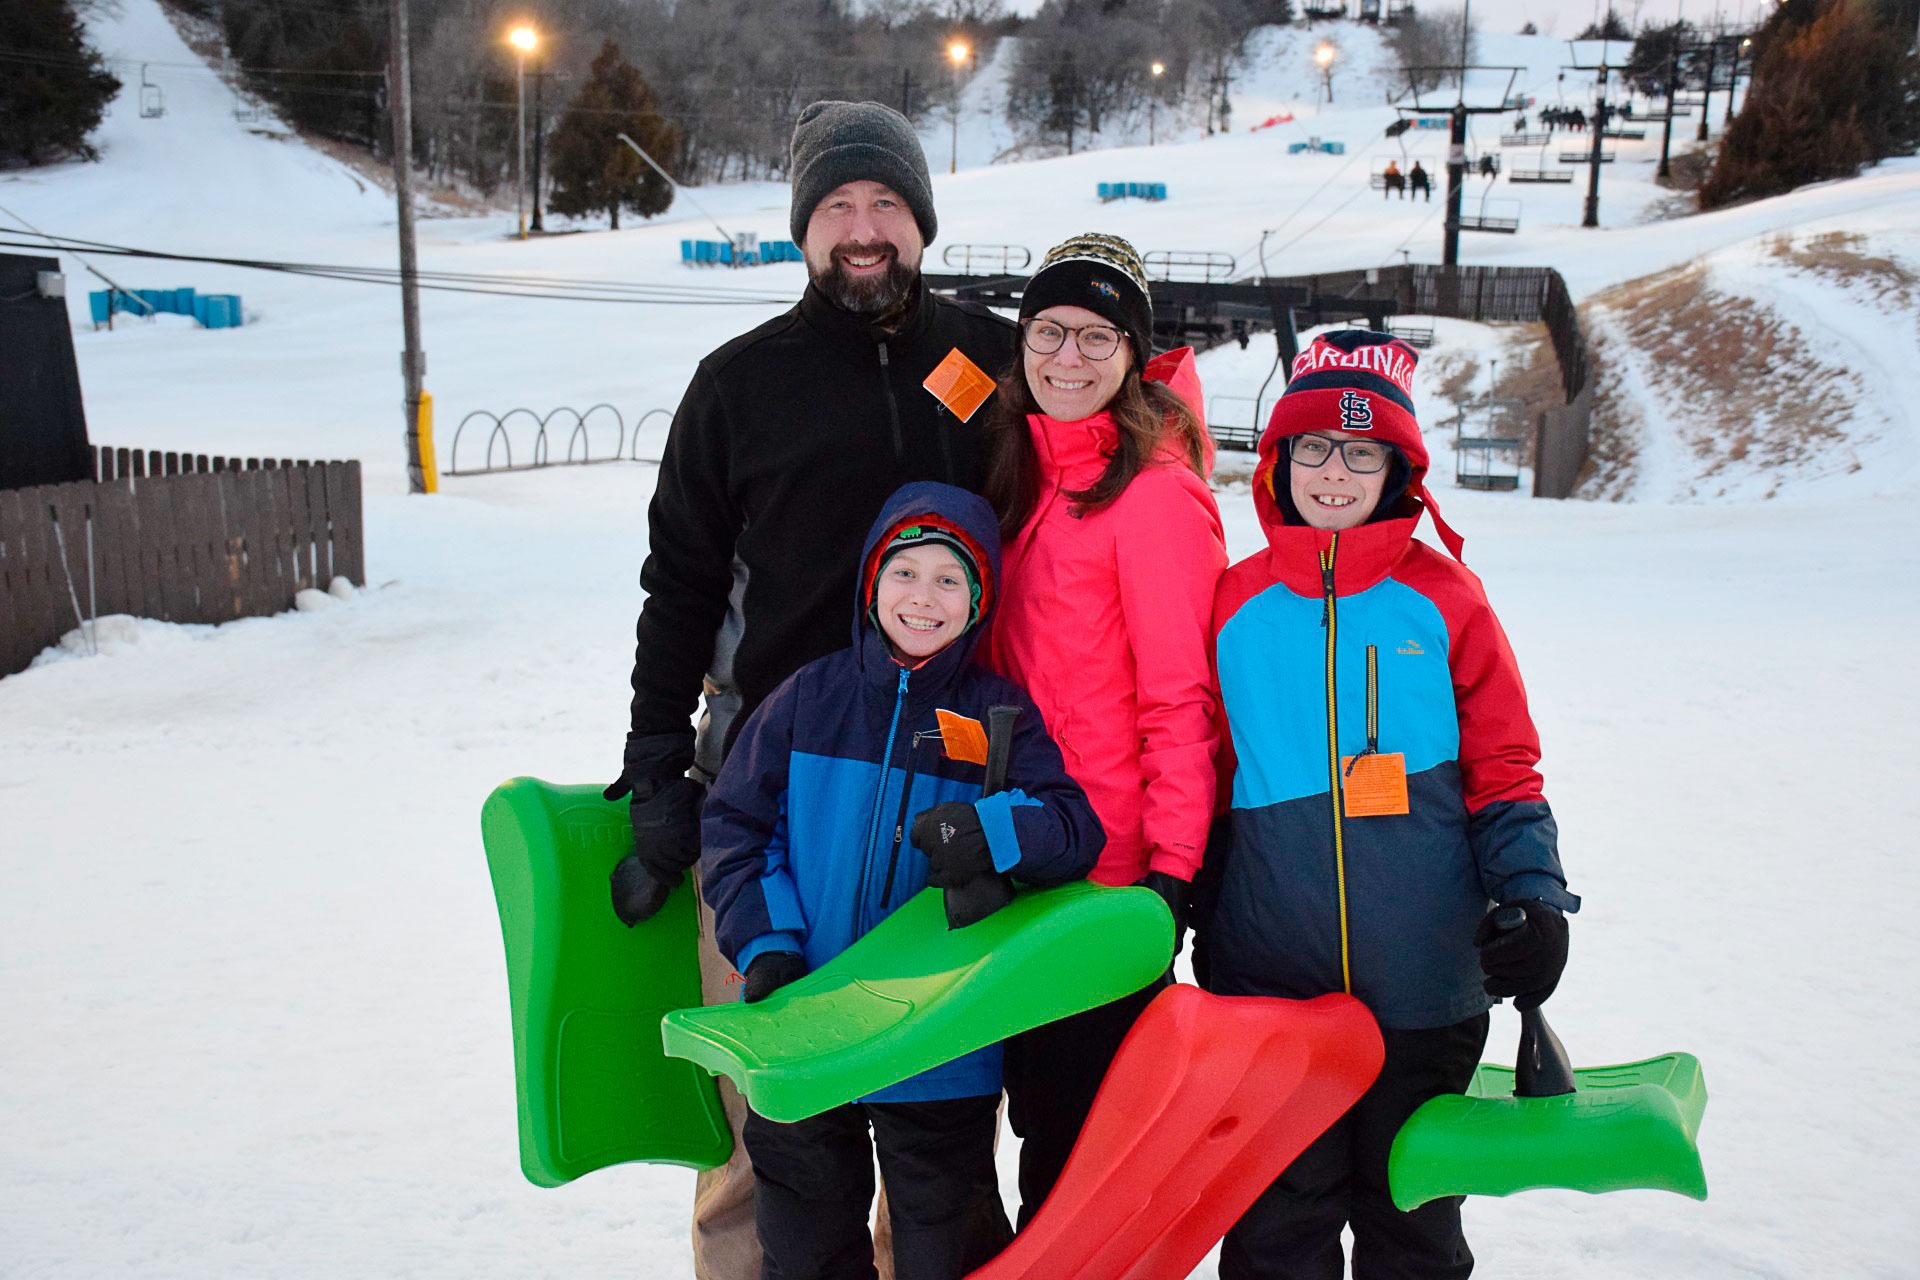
{"x": 1096, "y": 465}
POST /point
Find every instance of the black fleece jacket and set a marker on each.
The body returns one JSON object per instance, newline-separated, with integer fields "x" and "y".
{"x": 788, "y": 440}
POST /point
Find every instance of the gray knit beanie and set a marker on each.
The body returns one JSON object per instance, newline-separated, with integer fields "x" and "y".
{"x": 840, "y": 142}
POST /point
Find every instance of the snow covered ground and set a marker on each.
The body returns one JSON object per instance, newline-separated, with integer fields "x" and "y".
{"x": 249, "y": 967}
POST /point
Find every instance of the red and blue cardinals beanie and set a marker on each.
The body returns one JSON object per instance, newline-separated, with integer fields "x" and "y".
{"x": 1361, "y": 381}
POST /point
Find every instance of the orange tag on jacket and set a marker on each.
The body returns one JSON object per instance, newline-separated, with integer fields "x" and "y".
{"x": 1375, "y": 785}
{"x": 959, "y": 384}
{"x": 963, "y": 739}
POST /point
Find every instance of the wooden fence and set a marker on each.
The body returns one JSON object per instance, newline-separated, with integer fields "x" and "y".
{"x": 179, "y": 537}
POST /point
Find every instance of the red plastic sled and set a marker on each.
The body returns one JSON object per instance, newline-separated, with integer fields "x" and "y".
{"x": 1208, "y": 1100}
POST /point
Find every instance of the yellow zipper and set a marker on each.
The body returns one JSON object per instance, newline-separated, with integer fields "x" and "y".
{"x": 1332, "y": 622}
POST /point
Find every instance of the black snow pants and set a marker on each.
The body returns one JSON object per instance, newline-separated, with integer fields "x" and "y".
{"x": 1292, "y": 1232}
{"x": 813, "y": 1183}
{"x": 1052, "y": 1074}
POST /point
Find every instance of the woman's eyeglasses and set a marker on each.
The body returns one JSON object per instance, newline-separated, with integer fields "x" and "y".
{"x": 1096, "y": 341}
{"x": 1362, "y": 457}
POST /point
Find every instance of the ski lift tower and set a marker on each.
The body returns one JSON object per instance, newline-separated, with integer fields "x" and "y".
{"x": 1600, "y": 56}
{"x": 1481, "y": 100}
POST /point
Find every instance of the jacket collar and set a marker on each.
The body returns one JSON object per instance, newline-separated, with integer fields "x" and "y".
{"x": 1073, "y": 454}
{"x": 926, "y": 683}
{"x": 836, "y": 322}
{"x": 1362, "y": 557}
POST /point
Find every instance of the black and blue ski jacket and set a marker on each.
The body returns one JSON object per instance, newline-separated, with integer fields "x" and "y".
{"x": 804, "y": 839}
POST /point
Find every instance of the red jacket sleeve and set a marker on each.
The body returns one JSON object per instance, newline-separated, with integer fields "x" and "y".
{"x": 1499, "y": 746}
{"x": 1173, "y": 552}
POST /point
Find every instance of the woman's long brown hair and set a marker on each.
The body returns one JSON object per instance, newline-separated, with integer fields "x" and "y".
{"x": 1144, "y": 415}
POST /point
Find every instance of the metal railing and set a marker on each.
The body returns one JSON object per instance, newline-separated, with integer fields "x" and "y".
{"x": 987, "y": 259}
{"x": 582, "y": 429}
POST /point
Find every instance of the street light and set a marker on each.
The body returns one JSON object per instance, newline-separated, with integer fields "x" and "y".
{"x": 523, "y": 39}
{"x": 957, "y": 53}
{"x": 1324, "y": 55}
{"x": 1153, "y": 99}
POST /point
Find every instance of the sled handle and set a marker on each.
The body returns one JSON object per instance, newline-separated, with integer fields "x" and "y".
{"x": 983, "y": 895}
{"x": 1541, "y": 1068}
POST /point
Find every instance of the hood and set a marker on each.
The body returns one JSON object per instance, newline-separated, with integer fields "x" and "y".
{"x": 965, "y": 515}
{"x": 1351, "y": 380}
{"x": 1080, "y": 450}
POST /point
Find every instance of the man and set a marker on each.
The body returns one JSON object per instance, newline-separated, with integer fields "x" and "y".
{"x": 786, "y": 443}
{"x": 1420, "y": 182}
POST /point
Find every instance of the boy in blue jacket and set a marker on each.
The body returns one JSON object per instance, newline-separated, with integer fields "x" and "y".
{"x": 805, "y": 847}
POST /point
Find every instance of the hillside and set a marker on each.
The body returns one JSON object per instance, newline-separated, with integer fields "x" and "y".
{"x": 250, "y": 967}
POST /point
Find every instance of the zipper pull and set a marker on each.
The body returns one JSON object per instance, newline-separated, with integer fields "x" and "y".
{"x": 883, "y": 355}
{"x": 1326, "y": 581}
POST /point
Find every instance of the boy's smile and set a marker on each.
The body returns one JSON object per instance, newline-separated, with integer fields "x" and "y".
{"x": 923, "y": 600}
{"x": 1329, "y": 495}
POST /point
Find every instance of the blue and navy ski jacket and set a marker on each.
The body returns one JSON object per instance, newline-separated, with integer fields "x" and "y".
{"x": 804, "y": 839}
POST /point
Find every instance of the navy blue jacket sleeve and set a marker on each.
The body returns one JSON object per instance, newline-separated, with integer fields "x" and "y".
{"x": 1042, "y": 828}
{"x": 744, "y": 871}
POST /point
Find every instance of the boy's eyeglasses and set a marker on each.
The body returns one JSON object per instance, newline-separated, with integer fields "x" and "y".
{"x": 1096, "y": 341}
{"x": 1362, "y": 457}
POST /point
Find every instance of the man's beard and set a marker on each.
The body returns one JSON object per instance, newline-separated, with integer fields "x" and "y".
{"x": 878, "y": 296}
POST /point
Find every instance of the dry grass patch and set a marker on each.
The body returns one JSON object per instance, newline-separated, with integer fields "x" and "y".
{"x": 1741, "y": 389}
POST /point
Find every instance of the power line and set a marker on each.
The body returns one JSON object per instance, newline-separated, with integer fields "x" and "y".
{"x": 549, "y": 288}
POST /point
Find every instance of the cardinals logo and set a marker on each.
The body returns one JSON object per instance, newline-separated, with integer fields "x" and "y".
{"x": 1355, "y": 413}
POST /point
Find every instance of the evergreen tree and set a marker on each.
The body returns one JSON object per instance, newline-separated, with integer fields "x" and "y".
{"x": 324, "y": 58}
{"x": 1827, "y": 97}
{"x": 1653, "y": 49}
{"x": 1613, "y": 27}
{"x": 593, "y": 171}
{"x": 53, "y": 87}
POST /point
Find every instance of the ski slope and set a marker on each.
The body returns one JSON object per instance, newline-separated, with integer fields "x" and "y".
{"x": 250, "y": 972}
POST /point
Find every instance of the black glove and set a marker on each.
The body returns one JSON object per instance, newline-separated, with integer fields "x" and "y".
{"x": 1524, "y": 957}
{"x": 666, "y": 841}
{"x": 1177, "y": 894}
{"x": 770, "y": 971}
{"x": 955, "y": 844}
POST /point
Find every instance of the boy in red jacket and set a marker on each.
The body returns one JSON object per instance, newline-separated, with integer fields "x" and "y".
{"x": 1385, "y": 802}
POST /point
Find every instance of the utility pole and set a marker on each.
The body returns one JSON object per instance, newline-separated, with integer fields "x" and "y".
{"x": 1457, "y": 115}
{"x": 1591, "y": 216}
{"x": 421, "y": 473}
{"x": 539, "y": 135}
{"x": 906, "y": 92}
{"x": 1456, "y": 180}
{"x": 1673, "y": 87}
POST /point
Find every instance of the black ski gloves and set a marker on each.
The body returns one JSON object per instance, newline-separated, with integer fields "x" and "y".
{"x": 1177, "y": 894}
{"x": 955, "y": 844}
{"x": 1523, "y": 949}
{"x": 770, "y": 971}
{"x": 666, "y": 841}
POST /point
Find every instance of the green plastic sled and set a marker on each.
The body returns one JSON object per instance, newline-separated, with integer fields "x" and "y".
{"x": 913, "y": 994}
{"x": 1623, "y": 1127}
{"x": 588, "y": 993}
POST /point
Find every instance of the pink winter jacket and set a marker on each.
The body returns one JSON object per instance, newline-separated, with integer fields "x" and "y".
{"x": 1104, "y": 619}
